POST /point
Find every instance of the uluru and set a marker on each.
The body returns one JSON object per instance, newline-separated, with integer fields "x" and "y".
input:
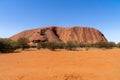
{"x": 55, "y": 33}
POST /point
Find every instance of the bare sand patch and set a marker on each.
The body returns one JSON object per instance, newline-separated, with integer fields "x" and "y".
{"x": 94, "y": 64}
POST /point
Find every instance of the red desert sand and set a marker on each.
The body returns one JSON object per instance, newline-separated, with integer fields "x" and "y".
{"x": 94, "y": 64}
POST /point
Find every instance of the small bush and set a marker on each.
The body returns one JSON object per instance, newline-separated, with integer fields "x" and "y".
{"x": 111, "y": 44}
{"x": 42, "y": 45}
{"x": 100, "y": 44}
{"x": 52, "y": 46}
{"x": 7, "y": 45}
{"x": 23, "y": 43}
{"x": 49, "y": 45}
{"x": 60, "y": 45}
{"x": 70, "y": 45}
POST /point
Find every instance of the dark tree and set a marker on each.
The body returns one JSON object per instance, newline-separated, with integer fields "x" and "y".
{"x": 7, "y": 45}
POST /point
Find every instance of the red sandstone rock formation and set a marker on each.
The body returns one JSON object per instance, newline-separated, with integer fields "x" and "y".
{"x": 53, "y": 33}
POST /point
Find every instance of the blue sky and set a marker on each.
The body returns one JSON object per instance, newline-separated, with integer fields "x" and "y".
{"x": 19, "y": 15}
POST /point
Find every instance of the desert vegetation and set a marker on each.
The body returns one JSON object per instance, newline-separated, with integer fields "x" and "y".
{"x": 50, "y": 45}
{"x": 71, "y": 45}
{"x": 23, "y": 43}
{"x": 8, "y": 45}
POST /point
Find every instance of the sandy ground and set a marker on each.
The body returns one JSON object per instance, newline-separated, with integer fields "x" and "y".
{"x": 61, "y": 65}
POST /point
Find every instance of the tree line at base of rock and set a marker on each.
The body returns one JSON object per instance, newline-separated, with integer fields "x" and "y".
{"x": 8, "y": 45}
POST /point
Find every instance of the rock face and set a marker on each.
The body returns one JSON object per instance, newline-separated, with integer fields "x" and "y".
{"x": 54, "y": 33}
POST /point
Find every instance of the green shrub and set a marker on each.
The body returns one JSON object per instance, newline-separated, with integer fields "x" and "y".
{"x": 52, "y": 46}
{"x": 111, "y": 44}
{"x": 49, "y": 45}
{"x": 7, "y": 45}
{"x": 60, "y": 45}
{"x": 42, "y": 45}
{"x": 70, "y": 45}
{"x": 103, "y": 44}
{"x": 23, "y": 43}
